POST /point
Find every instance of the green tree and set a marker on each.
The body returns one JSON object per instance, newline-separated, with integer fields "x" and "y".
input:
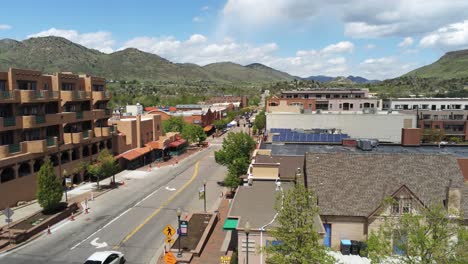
{"x": 193, "y": 133}
{"x": 300, "y": 243}
{"x": 220, "y": 124}
{"x": 104, "y": 167}
{"x": 173, "y": 124}
{"x": 49, "y": 187}
{"x": 429, "y": 236}
{"x": 235, "y": 146}
{"x": 260, "y": 121}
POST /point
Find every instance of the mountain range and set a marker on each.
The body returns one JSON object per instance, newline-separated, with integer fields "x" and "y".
{"x": 56, "y": 54}
{"x": 354, "y": 79}
{"x": 453, "y": 64}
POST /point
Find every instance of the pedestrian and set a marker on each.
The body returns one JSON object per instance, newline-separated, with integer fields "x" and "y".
{"x": 213, "y": 136}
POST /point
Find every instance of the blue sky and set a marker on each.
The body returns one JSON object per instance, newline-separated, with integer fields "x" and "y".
{"x": 369, "y": 38}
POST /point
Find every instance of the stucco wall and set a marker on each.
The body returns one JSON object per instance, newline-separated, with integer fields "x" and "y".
{"x": 385, "y": 127}
{"x": 352, "y": 228}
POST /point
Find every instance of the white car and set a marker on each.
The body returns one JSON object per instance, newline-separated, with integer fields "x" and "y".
{"x": 106, "y": 257}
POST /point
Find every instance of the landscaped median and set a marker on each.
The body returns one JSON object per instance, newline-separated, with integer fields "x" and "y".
{"x": 31, "y": 226}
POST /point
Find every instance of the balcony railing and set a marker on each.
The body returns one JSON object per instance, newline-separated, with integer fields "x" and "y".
{"x": 9, "y": 121}
{"x": 13, "y": 148}
{"x": 40, "y": 119}
{"x": 6, "y": 95}
{"x": 86, "y": 134}
{"x": 79, "y": 115}
{"x": 50, "y": 141}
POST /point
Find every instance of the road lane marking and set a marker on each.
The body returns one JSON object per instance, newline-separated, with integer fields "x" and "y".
{"x": 170, "y": 189}
{"x": 134, "y": 231}
{"x": 95, "y": 243}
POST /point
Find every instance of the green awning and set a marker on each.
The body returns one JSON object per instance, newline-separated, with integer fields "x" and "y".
{"x": 230, "y": 224}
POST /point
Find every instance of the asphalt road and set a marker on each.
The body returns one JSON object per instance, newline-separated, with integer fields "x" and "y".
{"x": 131, "y": 218}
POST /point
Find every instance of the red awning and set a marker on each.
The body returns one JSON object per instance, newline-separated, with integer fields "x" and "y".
{"x": 153, "y": 144}
{"x": 177, "y": 143}
{"x": 134, "y": 153}
{"x": 207, "y": 128}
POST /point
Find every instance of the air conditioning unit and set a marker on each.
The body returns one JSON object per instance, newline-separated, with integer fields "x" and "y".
{"x": 364, "y": 144}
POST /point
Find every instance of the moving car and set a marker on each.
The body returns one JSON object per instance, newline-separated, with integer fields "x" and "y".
{"x": 106, "y": 257}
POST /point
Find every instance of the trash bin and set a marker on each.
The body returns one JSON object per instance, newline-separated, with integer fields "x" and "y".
{"x": 355, "y": 247}
{"x": 345, "y": 247}
{"x": 363, "y": 249}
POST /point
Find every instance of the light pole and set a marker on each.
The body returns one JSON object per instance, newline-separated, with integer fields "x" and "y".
{"x": 247, "y": 231}
{"x": 297, "y": 175}
{"x": 179, "y": 213}
{"x": 204, "y": 194}
{"x": 66, "y": 187}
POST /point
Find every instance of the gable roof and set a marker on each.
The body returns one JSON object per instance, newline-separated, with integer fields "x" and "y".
{"x": 354, "y": 184}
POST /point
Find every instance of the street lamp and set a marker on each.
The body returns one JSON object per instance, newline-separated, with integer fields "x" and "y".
{"x": 297, "y": 175}
{"x": 247, "y": 231}
{"x": 179, "y": 213}
{"x": 66, "y": 187}
{"x": 204, "y": 194}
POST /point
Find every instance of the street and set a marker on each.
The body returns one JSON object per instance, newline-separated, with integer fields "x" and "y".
{"x": 131, "y": 218}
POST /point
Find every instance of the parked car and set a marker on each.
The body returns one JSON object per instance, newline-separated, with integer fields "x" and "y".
{"x": 106, "y": 257}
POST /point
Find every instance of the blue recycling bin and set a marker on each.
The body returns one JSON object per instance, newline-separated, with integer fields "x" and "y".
{"x": 345, "y": 247}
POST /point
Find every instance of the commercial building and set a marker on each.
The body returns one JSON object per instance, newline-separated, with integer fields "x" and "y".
{"x": 242, "y": 101}
{"x": 61, "y": 116}
{"x": 384, "y": 126}
{"x": 326, "y": 99}
{"x": 447, "y": 114}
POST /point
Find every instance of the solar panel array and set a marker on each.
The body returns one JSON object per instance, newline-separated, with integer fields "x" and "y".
{"x": 291, "y": 136}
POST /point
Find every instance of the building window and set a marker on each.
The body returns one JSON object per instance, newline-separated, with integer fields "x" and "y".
{"x": 442, "y": 107}
{"x": 327, "y": 96}
{"x": 331, "y": 105}
{"x": 2, "y": 86}
{"x": 306, "y": 96}
{"x": 360, "y": 106}
{"x": 351, "y": 106}
{"x": 435, "y": 117}
{"x": 157, "y": 127}
{"x": 444, "y": 117}
{"x": 371, "y": 105}
{"x": 340, "y": 106}
{"x": 401, "y": 206}
{"x": 318, "y": 96}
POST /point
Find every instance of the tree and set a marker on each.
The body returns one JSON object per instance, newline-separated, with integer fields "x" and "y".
{"x": 260, "y": 121}
{"x": 49, "y": 187}
{"x": 220, "y": 124}
{"x": 235, "y": 145}
{"x": 104, "y": 167}
{"x": 299, "y": 241}
{"x": 434, "y": 135}
{"x": 429, "y": 236}
{"x": 173, "y": 124}
{"x": 193, "y": 133}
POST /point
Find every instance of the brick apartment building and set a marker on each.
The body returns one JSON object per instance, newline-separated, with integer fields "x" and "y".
{"x": 62, "y": 116}
{"x": 331, "y": 99}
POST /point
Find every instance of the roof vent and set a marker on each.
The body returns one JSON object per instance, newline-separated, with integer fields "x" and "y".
{"x": 365, "y": 144}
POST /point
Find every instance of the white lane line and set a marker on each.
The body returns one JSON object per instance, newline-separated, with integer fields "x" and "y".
{"x": 115, "y": 219}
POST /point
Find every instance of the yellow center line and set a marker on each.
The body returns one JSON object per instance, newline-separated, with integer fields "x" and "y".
{"x": 134, "y": 231}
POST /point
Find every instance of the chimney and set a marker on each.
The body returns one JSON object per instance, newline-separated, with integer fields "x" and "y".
{"x": 138, "y": 130}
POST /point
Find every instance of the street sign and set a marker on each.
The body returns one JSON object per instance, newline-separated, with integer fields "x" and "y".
{"x": 169, "y": 240}
{"x": 8, "y": 212}
{"x": 169, "y": 231}
{"x": 225, "y": 260}
{"x": 68, "y": 181}
{"x": 201, "y": 193}
{"x": 8, "y": 220}
{"x": 169, "y": 258}
{"x": 183, "y": 228}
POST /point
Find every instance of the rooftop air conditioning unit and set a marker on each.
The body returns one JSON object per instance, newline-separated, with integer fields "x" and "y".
{"x": 364, "y": 144}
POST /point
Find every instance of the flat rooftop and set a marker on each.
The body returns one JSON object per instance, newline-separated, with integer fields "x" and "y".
{"x": 301, "y": 149}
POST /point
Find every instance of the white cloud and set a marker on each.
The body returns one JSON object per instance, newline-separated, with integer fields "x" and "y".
{"x": 370, "y": 46}
{"x": 205, "y": 8}
{"x": 198, "y": 19}
{"x": 340, "y": 47}
{"x": 4, "y": 27}
{"x": 384, "y": 67}
{"x": 447, "y": 37}
{"x": 196, "y": 38}
{"x": 361, "y": 18}
{"x": 100, "y": 40}
{"x": 406, "y": 42}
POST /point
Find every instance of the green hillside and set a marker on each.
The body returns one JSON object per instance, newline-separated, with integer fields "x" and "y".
{"x": 452, "y": 65}
{"x": 55, "y": 54}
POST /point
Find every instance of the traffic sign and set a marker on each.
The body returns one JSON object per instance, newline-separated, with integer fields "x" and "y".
{"x": 183, "y": 228}
{"x": 169, "y": 240}
{"x": 225, "y": 260}
{"x": 8, "y": 214}
{"x": 68, "y": 181}
{"x": 169, "y": 258}
{"x": 169, "y": 231}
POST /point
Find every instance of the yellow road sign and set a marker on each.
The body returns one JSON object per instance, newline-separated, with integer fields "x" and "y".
{"x": 225, "y": 259}
{"x": 169, "y": 240}
{"x": 169, "y": 258}
{"x": 169, "y": 231}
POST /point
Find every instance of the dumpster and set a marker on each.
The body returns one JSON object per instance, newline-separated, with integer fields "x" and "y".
{"x": 345, "y": 247}
{"x": 354, "y": 247}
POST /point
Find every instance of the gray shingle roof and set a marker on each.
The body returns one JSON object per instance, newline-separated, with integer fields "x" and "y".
{"x": 354, "y": 184}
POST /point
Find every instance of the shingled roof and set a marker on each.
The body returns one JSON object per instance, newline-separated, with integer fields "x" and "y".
{"x": 354, "y": 184}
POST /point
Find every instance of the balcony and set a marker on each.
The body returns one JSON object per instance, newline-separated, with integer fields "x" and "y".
{"x": 31, "y": 121}
{"x": 87, "y": 134}
{"x": 9, "y": 150}
{"x": 102, "y": 113}
{"x": 69, "y": 96}
{"x": 101, "y": 96}
{"x": 31, "y": 96}
{"x": 14, "y": 148}
{"x": 51, "y": 142}
{"x": 10, "y": 123}
{"x": 73, "y": 138}
{"x": 9, "y": 96}
{"x": 79, "y": 115}
{"x": 36, "y": 146}
{"x": 102, "y": 131}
